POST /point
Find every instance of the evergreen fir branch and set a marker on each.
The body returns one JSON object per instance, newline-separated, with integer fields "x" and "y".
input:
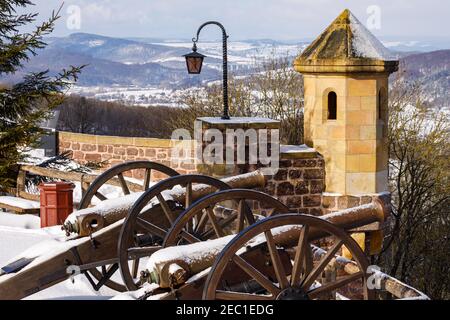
{"x": 24, "y": 105}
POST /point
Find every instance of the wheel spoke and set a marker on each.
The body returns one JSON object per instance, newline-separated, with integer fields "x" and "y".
{"x": 276, "y": 261}
{"x": 150, "y": 227}
{"x": 212, "y": 219}
{"x": 169, "y": 214}
{"x": 223, "y": 224}
{"x": 249, "y": 214}
{"x": 189, "y": 237}
{"x": 100, "y": 196}
{"x": 202, "y": 221}
{"x": 123, "y": 183}
{"x": 322, "y": 264}
{"x": 140, "y": 252}
{"x": 148, "y": 173}
{"x": 188, "y": 195}
{"x": 135, "y": 268}
{"x": 327, "y": 288}
{"x": 231, "y": 295}
{"x": 257, "y": 275}
{"x": 188, "y": 202}
{"x": 299, "y": 256}
{"x": 309, "y": 260}
{"x": 245, "y": 213}
{"x": 369, "y": 294}
{"x": 241, "y": 215}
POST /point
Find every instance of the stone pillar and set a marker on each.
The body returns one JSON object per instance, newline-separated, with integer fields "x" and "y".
{"x": 233, "y": 134}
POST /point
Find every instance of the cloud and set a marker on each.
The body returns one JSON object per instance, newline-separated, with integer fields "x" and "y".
{"x": 279, "y": 19}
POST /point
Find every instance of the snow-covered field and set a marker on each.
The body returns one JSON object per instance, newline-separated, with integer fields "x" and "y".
{"x": 239, "y": 52}
{"x": 132, "y": 95}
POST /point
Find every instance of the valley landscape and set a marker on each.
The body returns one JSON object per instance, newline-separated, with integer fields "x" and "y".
{"x": 152, "y": 72}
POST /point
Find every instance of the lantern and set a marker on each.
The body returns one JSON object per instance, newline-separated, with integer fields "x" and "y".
{"x": 194, "y": 61}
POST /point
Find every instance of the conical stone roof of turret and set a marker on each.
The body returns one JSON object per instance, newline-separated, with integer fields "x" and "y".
{"x": 346, "y": 46}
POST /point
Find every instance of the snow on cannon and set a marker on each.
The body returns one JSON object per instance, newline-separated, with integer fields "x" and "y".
{"x": 94, "y": 230}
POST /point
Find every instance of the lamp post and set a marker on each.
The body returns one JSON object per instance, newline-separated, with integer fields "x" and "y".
{"x": 194, "y": 61}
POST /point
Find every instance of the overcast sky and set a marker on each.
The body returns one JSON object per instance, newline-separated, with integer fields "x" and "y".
{"x": 246, "y": 19}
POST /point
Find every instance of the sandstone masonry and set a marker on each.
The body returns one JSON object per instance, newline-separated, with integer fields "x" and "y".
{"x": 114, "y": 150}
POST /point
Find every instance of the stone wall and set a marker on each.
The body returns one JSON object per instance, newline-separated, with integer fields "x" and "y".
{"x": 114, "y": 150}
{"x": 300, "y": 181}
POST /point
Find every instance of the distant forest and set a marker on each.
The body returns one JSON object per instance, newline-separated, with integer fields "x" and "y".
{"x": 91, "y": 116}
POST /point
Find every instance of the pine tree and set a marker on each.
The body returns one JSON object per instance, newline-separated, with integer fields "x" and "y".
{"x": 25, "y": 104}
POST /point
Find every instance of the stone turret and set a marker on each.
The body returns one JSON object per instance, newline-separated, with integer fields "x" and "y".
{"x": 346, "y": 71}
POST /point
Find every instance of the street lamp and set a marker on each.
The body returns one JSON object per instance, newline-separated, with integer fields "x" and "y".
{"x": 194, "y": 61}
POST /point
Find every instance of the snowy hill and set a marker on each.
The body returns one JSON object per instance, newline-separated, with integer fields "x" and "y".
{"x": 113, "y": 49}
{"x": 432, "y": 69}
{"x": 147, "y": 66}
{"x": 101, "y": 72}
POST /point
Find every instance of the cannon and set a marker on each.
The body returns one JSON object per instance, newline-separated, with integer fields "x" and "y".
{"x": 280, "y": 257}
{"x": 197, "y": 237}
{"x": 94, "y": 230}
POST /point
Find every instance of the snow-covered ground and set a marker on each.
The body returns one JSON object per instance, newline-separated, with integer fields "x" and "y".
{"x": 141, "y": 96}
{"x": 20, "y": 232}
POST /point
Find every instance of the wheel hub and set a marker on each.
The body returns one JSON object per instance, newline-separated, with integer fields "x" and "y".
{"x": 292, "y": 294}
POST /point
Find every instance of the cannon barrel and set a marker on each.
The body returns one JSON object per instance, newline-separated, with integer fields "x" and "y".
{"x": 86, "y": 221}
{"x": 348, "y": 219}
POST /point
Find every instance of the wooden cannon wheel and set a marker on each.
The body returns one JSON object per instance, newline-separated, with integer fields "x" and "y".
{"x": 294, "y": 278}
{"x": 201, "y": 222}
{"x": 117, "y": 172}
{"x": 116, "y": 175}
{"x": 145, "y": 228}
